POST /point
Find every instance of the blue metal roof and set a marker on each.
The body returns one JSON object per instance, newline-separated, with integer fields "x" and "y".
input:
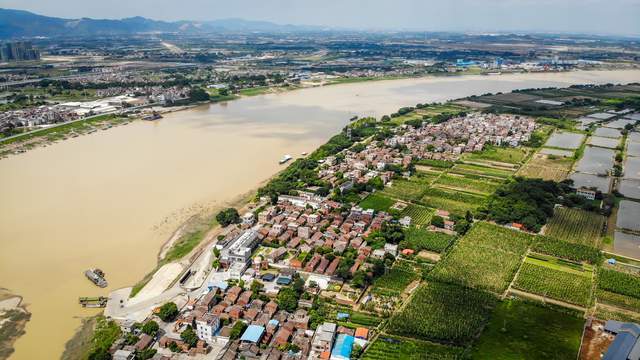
{"x": 342, "y": 316}
{"x": 342, "y": 348}
{"x": 274, "y": 322}
{"x": 620, "y": 347}
{"x": 253, "y": 333}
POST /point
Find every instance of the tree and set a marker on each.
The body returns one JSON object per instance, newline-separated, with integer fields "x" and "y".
{"x": 228, "y": 216}
{"x": 100, "y": 354}
{"x": 168, "y": 311}
{"x": 237, "y": 330}
{"x": 198, "y": 94}
{"x": 288, "y": 299}
{"x": 145, "y": 354}
{"x": 437, "y": 221}
{"x": 189, "y": 336}
{"x": 150, "y": 328}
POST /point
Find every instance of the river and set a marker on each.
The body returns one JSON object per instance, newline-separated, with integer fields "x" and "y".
{"x": 110, "y": 199}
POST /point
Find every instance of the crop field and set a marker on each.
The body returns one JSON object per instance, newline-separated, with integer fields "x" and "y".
{"x": 393, "y": 347}
{"x": 481, "y": 170}
{"x": 377, "y": 202}
{"x": 547, "y": 168}
{"x": 453, "y": 201}
{"x": 576, "y": 226}
{"x": 619, "y": 282}
{"x": 499, "y": 154}
{"x": 520, "y": 330}
{"x": 566, "y": 250}
{"x": 444, "y": 313}
{"x": 618, "y": 300}
{"x": 408, "y": 190}
{"x": 396, "y": 280}
{"x": 555, "y": 281}
{"x": 483, "y": 186}
{"x": 419, "y": 215}
{"x": 421, "y": 239}
{"x": 487, "y": 258}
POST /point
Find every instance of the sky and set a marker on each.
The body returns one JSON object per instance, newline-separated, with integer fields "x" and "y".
{"x": 576, "y": 16}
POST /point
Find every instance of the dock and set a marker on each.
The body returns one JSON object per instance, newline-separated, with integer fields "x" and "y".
{"x": 93, "y": 302}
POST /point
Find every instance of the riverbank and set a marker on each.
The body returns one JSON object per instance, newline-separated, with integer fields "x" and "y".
{"x": 13, "y": 319}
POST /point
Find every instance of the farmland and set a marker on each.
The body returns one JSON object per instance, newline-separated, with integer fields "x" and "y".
{"x": 576, "y": 226}
{"x": 407, "y": 190}
{"x": 443, "y": 312}
{"x": 393, "y": 347}
{"x": 481, "y": 170}
{"x": 420, "y": 239}
{"x": 377, "y": 202}
{"x": 450, "y": 200}
{"x": 419, "y": 215}
{"x": 553, "y": 280}
{"x": 547, "y": 167}
{"x": 618, "y": 300}
{"x": 565, "y": 250}
{"x": 396, "y": 280}
{"x": 486, "y": 258}
{"x": 619, "y": 282}
{"x": 498, "y": 154}
{"x": 484, "y": 186}
{"x": 549, "y": 334}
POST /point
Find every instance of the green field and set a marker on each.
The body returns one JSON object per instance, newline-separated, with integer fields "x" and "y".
{"x": 576, "y": 226}
{"x": 443, "y": 312}
{"x": 499, "y": 154}
{"x": 487, "y": 257}
{"x": 519, "y": 330}
{"x": 419, "y": 215}
{"x": 484, "y": 186}
{"x": 555, "y": 281}
{"x": 452, "y": 201}
{"x": 408, "y": 190}
{"x": 421, "y": 239}
{"x": 566, "y": 250}
{"x": 393, "y": 347}
{"x": 396, "y": 279}
{"x": 377, "y": 202}
{"x": 481, "y": 171}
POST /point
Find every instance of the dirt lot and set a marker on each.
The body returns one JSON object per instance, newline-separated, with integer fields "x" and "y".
{"x": 595, "y": 341}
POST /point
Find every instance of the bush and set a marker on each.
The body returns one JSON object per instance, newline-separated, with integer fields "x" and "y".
{"x": 150, "y": 328}
{"x": 228, "y": 216}
{"x": 168, "y": 312}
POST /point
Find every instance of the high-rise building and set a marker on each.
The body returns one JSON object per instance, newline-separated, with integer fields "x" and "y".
{"x": 18, "y": 51}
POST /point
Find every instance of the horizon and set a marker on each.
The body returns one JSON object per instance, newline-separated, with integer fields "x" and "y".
{"x": 593, "y": 17}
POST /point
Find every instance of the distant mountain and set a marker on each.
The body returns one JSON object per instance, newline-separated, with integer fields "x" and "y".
{"x": 19, "y": 23}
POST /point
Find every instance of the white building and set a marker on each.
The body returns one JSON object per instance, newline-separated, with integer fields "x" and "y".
{"x": 206, "y": 327}
{"x": 240, "y": 249}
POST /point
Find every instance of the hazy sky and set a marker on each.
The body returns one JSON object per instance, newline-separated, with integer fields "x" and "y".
{"x": 585, "y": 16}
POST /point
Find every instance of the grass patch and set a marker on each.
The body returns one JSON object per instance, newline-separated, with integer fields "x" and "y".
{"x": 442, "y": 312}
{"x": 520, "y": 330}
{"x": 487, "y": 258}
{"x": 377, "y": 202}
{"x": 421, "y": 239}
{"x": 499, "y": 154}
{"x": 394, "y": 347}
{"x": 576, "y": 226}
{"x": 554, "y": 282}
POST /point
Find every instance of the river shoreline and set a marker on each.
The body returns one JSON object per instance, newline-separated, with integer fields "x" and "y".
{"x": 29, "y": 144}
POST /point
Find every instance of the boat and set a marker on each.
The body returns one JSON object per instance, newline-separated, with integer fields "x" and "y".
{"x": 285, "y": 159}
{"x": 304, "y": 153}
{"x": 93, "y": 302}
{"x": 96, "y": 276}
{"x": 153, "y": 116}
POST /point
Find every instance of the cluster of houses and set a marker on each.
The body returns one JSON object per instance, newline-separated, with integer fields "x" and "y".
{"x": 469, "y": 133}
